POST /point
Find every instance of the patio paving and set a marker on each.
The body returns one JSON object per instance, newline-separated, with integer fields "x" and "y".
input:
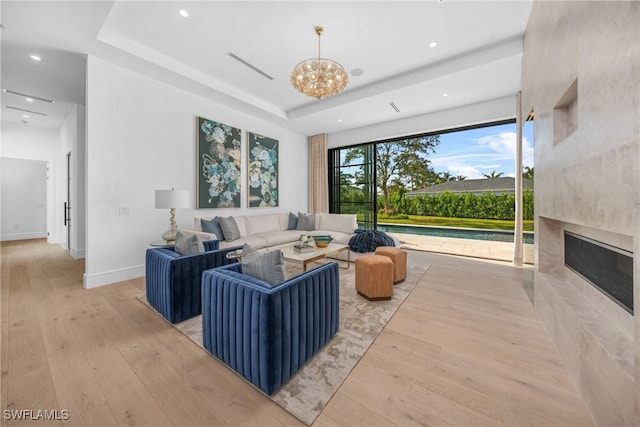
{"x": 499, "y": 251}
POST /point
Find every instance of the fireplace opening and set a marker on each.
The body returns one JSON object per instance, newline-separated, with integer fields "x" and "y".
{"x": 607, "y": 268}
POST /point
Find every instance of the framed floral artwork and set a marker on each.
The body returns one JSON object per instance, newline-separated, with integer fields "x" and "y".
{"x": 262, "y": 171}
{"x": 219, "y": 160}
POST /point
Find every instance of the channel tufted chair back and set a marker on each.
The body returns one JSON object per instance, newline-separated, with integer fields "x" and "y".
{"x": 173, "y": 281}
{"x": 267, "y": 333}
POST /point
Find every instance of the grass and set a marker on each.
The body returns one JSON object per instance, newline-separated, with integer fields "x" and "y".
{"x": 495, "y": 224}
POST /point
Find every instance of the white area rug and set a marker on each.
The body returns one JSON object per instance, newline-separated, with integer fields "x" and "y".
{"x": 307, "y": 393}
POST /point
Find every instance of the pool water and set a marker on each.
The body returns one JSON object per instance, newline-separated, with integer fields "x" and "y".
{"x": 460, "y": 233}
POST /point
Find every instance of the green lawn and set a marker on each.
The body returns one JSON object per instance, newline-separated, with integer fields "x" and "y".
{"x": 455, "y": 222}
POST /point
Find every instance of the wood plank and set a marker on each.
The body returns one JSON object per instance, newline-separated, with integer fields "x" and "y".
{"x": 29, "y": 382}
{"x": 348, "y": 412}
{"x": 76, "y": 387}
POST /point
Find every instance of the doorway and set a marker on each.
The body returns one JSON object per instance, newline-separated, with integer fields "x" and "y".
{"x": 67, "y": 203}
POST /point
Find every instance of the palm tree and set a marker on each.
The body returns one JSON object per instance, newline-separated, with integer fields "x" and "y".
{"x": 527, "y": 172}
{"x": 460, "y": 178}
{"x": 444, "y": 177}
{"x": 493, "y": 174}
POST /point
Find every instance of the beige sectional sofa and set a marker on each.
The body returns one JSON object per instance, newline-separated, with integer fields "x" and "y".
{"x": 268, "y": 231}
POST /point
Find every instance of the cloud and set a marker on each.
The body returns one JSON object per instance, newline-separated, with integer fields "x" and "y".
{"x": 484, "y": 155}
{"x": 504, "y": 144}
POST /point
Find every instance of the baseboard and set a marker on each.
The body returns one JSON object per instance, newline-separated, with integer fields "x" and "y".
{"x": 23, "y": 236}
{"x": 77, "y": 253}
{"x": 109, "y": 277}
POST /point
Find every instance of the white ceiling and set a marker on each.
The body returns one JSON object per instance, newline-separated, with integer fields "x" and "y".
{"x": 477, "y": 58}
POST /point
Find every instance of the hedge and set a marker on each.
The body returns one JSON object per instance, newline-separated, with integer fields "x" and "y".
{"x": 462, "y": 205}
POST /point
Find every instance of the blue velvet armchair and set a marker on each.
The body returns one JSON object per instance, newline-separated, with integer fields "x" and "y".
{"x": 267, "y": 333}
{"x": 173, "y": 281}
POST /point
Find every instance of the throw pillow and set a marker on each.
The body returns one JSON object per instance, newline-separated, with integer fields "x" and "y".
{"x": 306, "y": 222}
{"x": 188, "y": 245}
{"x": 230, "y": 229}
{"x": 268, "y": 266}
{"x": 212, "y": 226}
{"x": 293, "y": 222}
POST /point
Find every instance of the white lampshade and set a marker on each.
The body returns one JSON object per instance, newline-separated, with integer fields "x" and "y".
{"x": 172, "y": 199}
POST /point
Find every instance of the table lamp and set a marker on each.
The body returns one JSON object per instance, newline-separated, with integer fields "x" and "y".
{"x": 172, "y": 199}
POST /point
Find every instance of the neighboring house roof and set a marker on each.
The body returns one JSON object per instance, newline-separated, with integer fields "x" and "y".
{"x": 484, "y": 185}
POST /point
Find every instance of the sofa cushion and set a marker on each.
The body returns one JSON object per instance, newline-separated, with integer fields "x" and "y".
{"x": 261, "y": 223}
{"x": 283, "y": 220}
{"x": 337, "y": 222}
{"x": 188, "y": 245}
{"x": 240, "y": 221}
{"x": 212, "y": 226}
{"x": 279, "y": 238}
{"x": 255, "y": 242}
{"x": 229, "y": 229}
{"x": 306, "y": 222}
{"x": 268, "y": 266}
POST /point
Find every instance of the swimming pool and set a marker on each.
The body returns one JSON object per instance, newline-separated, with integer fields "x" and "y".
{"x": 460, "y": 233}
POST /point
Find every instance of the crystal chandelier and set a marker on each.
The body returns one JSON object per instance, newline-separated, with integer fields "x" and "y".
{"x": 319, "y": 77}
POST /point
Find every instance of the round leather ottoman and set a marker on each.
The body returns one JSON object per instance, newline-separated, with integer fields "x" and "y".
{"x": 374, "y": 277}
{"x": 399, "y": 258}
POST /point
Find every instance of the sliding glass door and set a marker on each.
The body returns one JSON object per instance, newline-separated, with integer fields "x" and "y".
{"x": 352, "y": 183}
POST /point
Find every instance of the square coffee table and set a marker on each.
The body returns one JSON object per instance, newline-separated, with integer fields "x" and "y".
{"x": 305, "y": 258}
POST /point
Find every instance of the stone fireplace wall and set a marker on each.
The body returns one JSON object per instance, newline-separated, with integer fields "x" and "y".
{"x": 581, "y": 77}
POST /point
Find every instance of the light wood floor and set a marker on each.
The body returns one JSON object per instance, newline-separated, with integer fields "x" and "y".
{"x": 466, "y": 348}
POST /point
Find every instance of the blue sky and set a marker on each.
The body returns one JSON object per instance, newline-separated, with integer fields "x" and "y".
{"x": 475, "y": 152}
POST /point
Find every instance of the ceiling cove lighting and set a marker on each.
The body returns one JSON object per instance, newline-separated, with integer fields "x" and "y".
{"x": 35, "y": 58}
{"x": 319, "y": 77}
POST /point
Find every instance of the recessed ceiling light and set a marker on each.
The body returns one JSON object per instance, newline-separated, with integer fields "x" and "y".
{"x": 433, "y": 44}
{"x": 29, "y": 99}
{"x": 25, "y": 116}
{"x": 357, "y": 72}
{"x": 339, "y": 120}
{"x": 445, "y": 95}
{"x": 35, "y": 58}
{"x": 183, "y": 13}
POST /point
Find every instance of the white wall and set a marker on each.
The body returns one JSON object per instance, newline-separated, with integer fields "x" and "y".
{"x": 20, "y": 141}
{"x": 141, "y": 137}
{"x": 482, "y": 112}
{"x": 24, "y": 199}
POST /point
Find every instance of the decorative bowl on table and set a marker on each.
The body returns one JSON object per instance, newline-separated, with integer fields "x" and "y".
{"x": 322, "y": 241}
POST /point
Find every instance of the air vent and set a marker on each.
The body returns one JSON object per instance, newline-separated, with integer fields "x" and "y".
{"x": 394, "y": 107}
{"x": 253, "y": 67}
{"x": 25, "y": 111}
{"x": 13, "y": 92}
